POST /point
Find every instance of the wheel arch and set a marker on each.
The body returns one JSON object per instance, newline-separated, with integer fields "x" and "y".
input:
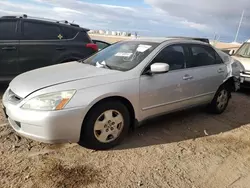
{"x": 121, "y": 99}
{"x": 230, "y": 84}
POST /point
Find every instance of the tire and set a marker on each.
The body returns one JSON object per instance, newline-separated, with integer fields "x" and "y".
{"x": 103, "y": 121}
{"x": 220, "y": 100}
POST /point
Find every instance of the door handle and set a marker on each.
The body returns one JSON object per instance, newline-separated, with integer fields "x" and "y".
{"x": 60, "y": 48}
{"x": 220, "y": 70}
{"x": 9, "y": 48}
{"x": 187, "y": 77}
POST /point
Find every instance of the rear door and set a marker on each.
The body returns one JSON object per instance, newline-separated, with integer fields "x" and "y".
{"x": 77, "y": 44}
{"x": 207, "y": 69}
{"x": 9, "y": 49}
{"x": 40, "y": 44}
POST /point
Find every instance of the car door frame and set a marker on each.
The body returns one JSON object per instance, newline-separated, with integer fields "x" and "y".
{"x": 15, "y": 42}
{"x": 207, "y": 96}
{"x": 54, "y": 44}
{"x": 156, "y": 110}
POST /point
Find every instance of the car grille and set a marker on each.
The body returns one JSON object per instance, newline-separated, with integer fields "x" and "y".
{"x": 12, "y": 97}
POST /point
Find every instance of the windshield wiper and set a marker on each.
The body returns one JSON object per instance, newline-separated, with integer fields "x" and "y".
{"x": 81, "y": 61}
{"x": 107, "y": 66}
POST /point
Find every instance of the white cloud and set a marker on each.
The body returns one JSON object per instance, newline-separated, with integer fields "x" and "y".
{"x": 67, "y": 11}
{"x": 163, "y": 17}
{"x": 198, "y": 26}
{"x": 220, "y": 16}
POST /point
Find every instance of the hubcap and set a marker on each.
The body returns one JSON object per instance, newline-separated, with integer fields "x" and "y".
{"x": 222, "y": 99}
{"x": 108, "y": 126}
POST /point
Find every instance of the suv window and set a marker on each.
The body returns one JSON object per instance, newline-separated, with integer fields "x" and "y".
{"x": 83, "y": 36}
{"x": 8, "y": 29}
{"x": 69, "y": 33}
{"x": 203, "y": 56}
{"x": 172, "y": 55}
{"x": 41, "y": 31}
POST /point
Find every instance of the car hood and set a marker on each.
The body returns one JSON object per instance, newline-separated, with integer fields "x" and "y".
{"x": 31, "y": 81}
{"x": 244, "y": 61}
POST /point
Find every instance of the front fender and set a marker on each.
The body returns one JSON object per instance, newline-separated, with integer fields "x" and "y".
{"x": 88, "y": 97}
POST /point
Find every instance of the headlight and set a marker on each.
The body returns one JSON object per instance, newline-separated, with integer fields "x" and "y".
{"x": 50, "y": 101}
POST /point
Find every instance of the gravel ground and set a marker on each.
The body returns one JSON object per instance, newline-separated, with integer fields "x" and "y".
{"x": 186, "y": 149}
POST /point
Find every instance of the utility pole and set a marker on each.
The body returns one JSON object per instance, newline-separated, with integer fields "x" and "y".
{"x": 238, "y": 30}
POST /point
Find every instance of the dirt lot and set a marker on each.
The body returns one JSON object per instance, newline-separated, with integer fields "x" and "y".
{"x": 187, "y": 149}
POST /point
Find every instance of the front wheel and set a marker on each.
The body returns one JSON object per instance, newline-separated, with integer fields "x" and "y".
{"x": 105, "y": 126}
{"x": 220, "y": 101}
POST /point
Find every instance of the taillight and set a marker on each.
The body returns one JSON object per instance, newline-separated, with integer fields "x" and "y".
{"x": 93, "y": 46}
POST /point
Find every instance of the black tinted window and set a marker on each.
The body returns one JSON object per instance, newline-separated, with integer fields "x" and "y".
{"x": 101, "y": 45}
{"x": 8, "y": 29}
{"x": 202, "y": 56}
{"x": 41, "y": 31}
{"x": 69, "y": 33}
{"x": 83, "y": 36}
{"x": 172, "y": 55}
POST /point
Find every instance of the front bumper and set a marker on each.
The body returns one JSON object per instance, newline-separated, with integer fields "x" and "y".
{"x": 245, "y": 79}
{"x": 46, "y": 126}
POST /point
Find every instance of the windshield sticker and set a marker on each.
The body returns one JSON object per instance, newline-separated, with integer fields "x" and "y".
{"x": 143, "y": 48}
{"x": 123, "y": 54}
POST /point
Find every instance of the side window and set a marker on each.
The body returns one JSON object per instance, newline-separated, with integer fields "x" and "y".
{"x": 101, "y": 45}
{"x": 8, "y": 30}
{"x": 172, "y": 55}
{"x": 41, "y": 31}
{"x": 69, "y": 33}
{"x": 84, "y": 37}
{"x": 203, "y": 56}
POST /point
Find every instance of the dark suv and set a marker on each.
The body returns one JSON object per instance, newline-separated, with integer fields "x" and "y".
{"x": 28, "y": 43}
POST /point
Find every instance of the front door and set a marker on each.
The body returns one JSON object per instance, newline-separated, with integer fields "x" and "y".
{"x": 165, "y": 92}
{"x": 9, "y": 49}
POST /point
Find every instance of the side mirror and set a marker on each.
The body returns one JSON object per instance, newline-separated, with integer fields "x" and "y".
{"x": 231, "y": 52}
{"x": 157, "y": 68}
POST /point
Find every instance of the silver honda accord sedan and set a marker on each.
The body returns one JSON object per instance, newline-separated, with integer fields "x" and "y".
{"x": 95, "y": 101}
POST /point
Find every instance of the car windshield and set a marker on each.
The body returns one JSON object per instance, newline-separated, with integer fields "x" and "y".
{"x": 244, "y": 50}
{"x": 122, "y": 56}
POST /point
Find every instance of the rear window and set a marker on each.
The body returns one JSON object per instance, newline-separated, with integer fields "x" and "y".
{"x": 8, "y": 29}
{"x": 41, "y": 31}
{"x": 69, "y": 33}
{"x": 83, "y": 36}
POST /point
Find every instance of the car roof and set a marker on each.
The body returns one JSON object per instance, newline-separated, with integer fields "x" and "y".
{"x": 63, "y": 23}
{"x": 169, "y": 39}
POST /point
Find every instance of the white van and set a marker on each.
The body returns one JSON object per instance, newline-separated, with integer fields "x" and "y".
{"x": 243, "y": 55}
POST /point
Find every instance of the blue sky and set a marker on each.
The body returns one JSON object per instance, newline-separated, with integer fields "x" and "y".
{"x": 201, "y": 18}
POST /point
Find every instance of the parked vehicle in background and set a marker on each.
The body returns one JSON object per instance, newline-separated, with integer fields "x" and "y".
{"x": 96, "y": 101}
{"x": 101, "y": 44}
{"x": 243, "y": 56}
{"x": 27, "y": 43}
{"x": 193, "y": 38}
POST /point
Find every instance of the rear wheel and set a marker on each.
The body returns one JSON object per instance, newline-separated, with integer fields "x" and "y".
{"x": 105, "y": 126}
{"x": 220, "y": 101}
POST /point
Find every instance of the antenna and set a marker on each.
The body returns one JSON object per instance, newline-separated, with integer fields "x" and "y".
{"x": 238, "y": 30}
